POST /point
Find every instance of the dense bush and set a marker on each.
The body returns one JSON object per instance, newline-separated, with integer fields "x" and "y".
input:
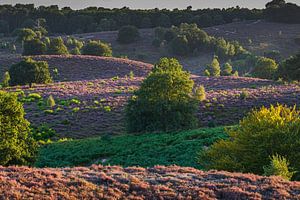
{"x": 164, "y": 100}
{"x": 97, "y": 48}
{"x": 6, "y": 79}
{"x": 29, "y": 71}
{"x": 16, "y": 145}
{"x": 289, "y": 69}
{"x": 128, "y": 34}
{"x": 275, "y": 55}
{"x": 261, "y": 134}
{"x": 265, "y": 68}
{"x": 57, "y": 47}
{"x": 278, "y": 166}
{"x": 214, "y": 68}
{"x": 34, "y": 47}
{"x": 24, "y": 34}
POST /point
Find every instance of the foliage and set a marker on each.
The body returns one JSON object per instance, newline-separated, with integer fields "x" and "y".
{"x": 206, "y": 73}
{"x": 179, "y": 46}
{"x": 279, "y": 166}
{"x": 275, "y": 55}
{"x": 42, "y": 134}
{"x": 145, "y": 150}
{"x": 214, "y": 68}
{"x": 261, "y": 134}
{"x": 50, "y": 101}
{"x": 227, "y": 71}
{"x": 128, "y": 34}
{"x": 6, "y": 79}
{"x": 24, "y": 34}
{"x": 164, "y": 100}
{"x": 199, "y": 93}
{"x": 97, "y": 48}
{"x": 34, "y": 47}
{"x": 280, "y": 11}
{"x": 29, "y": 71}
{"x": 289, "y": 69}
{"x": 16, "y": 144}
{"x": 75, "y": 51}
{"x": 57, "y": 47}
{"x": 265, "y": 68}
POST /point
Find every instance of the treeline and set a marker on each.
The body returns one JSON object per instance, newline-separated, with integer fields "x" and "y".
{"x": 91, "y": 19}
{"x": 280, "y": 11}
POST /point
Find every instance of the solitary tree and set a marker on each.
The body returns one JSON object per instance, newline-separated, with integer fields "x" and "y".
{"x": 214, "y": 68}
{"x": 164, "y": 101}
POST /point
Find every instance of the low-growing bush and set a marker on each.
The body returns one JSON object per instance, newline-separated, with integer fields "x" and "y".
{"x": 289, "y": 69}
{"x": 57, "y": 47}
{"x": 97, "y": 48}
{"x": 29, "y": 71}
{"x": 6, "y": 79}
{"x": 261, "y": 134}
{"x": 265, "y": 68}
{"x": 279, "y": 166}
{"x": 214, "y": 68}
{"x": 200, "y": 93}
{"x": 128, "y": 34}
{"x": 34, "y": 47}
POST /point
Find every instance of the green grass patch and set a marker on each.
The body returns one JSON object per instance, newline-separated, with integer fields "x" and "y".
{"x": 146, "y": 150}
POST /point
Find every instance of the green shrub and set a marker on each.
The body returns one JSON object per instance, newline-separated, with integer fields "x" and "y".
{"x": 57, "y": 47}
{"x": 180, "y": 46}
{"x": 51, "y": 101}
{"x": 164, "y": 100}
{"x": 261, "y": 134}
{"x": 289, "y": 69}
{"x": 279, "y": 166}
{"x": 214, "y": 68}
{"x": 42, "y": 134}
{"x": 206, "y": 73}
{"x": 29, "y": 71}
{"x": 17, "y": 147}
{"x": 128, "y": 34}
{"x": 34, "y": 47}
{"x": 200, "y": 93}
{"x": 227, "y": 71}
{"x": 75, "y": 51}
{"x": 24, "y": 34}
{"x": 97, "y": 48}
{"x": 265, "y": 68}
{"x": 6, "y": 79}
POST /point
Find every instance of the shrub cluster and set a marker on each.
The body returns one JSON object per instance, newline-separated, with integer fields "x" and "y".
{"x": 261, "y": 134}
{"x": 289, "y": 69}
{"x": 29, "y": 71}
{"x": 265, "y": 68}
{"x": 164, "y": 101}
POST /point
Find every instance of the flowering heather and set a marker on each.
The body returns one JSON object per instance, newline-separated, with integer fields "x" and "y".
{"x": 160, "y": 182}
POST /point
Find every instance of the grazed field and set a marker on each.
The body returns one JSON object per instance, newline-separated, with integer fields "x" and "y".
{"x": 113, "y": 182}
{"x": 92, "y": 101}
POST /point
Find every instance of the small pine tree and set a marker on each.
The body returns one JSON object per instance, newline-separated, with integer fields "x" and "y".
{"x": 200, "y": 93}
{"x": 75, "y": 51}
{"x": 214, "y": 68}
{"x": 51, "y": 101}
{"x": 206, "y": 73}
{"x": 227, "y": 71}
{"x": 279, "y": 166}
{"x": 6, "y": 79}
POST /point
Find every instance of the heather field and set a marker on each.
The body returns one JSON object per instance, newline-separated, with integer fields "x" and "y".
{"x": 92, "y": 103}
{"x": 159, "y": 182}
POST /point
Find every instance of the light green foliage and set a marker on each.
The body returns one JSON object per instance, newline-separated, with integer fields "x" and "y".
{"x": 6, "y": 79}
{"x": 227, "y": 70}
{"x": 51, "y": 101}
{"x": 261, "y": 134}
{"x": 42, "y": 134}
{"x": 144, "y": 150}
{"x": 265, "y": 68}
{"x": 34, "y": 47}
{"x": 214, "y": 68}
{"x": 128, "y": 34}
{"x": 57, "y": 47}
{"x": 29, "y": 71}
{"x": 97, "y": 48}
{"x": 24, "y": 34}
{"x": 163, "y": 100}
{"x": 75, "y": 51}
{"x": 131, "y": 75}
{"x": 289, "y": 69}
{"x": 16, "y": 145}
{"x": 206, "y": 73}
{"x": 200, "y": 93}
{"x": 35, "y": 96}
{"x": 279, "y": 166}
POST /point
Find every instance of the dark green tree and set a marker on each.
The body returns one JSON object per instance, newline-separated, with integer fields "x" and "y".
{"x": 97, "y": 48}
{"x": 34, "y": 47}
{"x": 57, "y": 47}
{"x": 128, "y": 34}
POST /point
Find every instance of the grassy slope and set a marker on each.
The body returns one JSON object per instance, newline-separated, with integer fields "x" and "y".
{"x": 144, "y": 150}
